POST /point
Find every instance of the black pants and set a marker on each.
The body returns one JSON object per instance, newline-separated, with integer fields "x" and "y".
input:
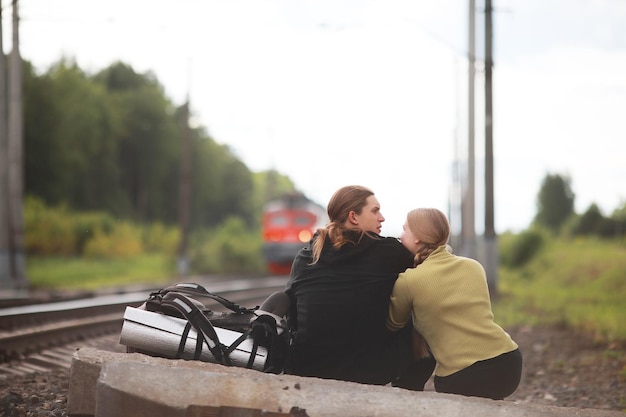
{"x": 494, "y": 378}
{"x": 390, "y": 362}
{"x": 416, "y": 375}
{"x": 381, "y": 363}
{"x": 413, "y": 373}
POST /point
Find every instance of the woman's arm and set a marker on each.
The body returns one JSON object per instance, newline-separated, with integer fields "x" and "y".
{"x": 400, "y": 304}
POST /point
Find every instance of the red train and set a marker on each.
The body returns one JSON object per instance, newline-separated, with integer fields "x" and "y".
{"x": 288, "y": 224}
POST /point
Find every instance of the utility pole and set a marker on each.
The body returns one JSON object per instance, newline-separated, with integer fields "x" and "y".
{"x": 491, "y": 245}
{"x": 16, "y": 160}
{"x": 468, "y": 229}
{"x": 184, "y": 206}
{"x": 5, "y": 270}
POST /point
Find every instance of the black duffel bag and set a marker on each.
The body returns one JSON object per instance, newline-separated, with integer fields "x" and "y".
{"x": 174, "y": 322}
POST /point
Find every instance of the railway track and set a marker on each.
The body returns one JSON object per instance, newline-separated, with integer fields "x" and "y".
{"x": 39, "y": 337}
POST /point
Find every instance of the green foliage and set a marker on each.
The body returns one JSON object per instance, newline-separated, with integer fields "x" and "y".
{"x": 518, "y": 250}
{"x": 222, "y": 186}
{"x": 121, "y": 253}
{"x": 268, "y": 185}
{"x": 58, "y": 231}
{"x": 85, "y": 225}
{"x": 157, "y": 238}
{"x": 619, "y": 214}
{"x": 231, "y": 248}
{"x": 579, "y": 283}
{"x": 124, "y": 241}
{"x": 111, "y": 142}
{"x": 148, "y": 140}
{"x": 48, "y": 231}
{"x": 593, "y": 223}
{"x": 555, "y": 202}
{"x": 75, "y": 138}
{"x": 590, "y": 221}
{"x": 103, "y": 171}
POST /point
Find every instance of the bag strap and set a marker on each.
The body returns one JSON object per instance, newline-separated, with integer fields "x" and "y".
{"x": 265, "y": 329}
{"x": 204, "y": 329}
{"x": 270, "y": 331}
{"x": 196, "y": 290}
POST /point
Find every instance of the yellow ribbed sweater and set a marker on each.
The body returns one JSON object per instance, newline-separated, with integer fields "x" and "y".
{"x": 449, "y": 300}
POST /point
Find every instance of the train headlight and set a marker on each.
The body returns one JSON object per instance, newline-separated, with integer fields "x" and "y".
{"x": 305, "y": 236}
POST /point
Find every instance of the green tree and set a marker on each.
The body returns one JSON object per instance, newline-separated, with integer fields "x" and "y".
{"x": 589, "y": 221}
{"x": 237, "y": 192}
{"x": 619, "y": 217}
{"x": 555, "y": 202}
{"x": 112, "y": 142}
{"x": 69, "y": 152}
{"x": 222, "y": 185}
{"x": 148, "y": 139}
{"x": 268, "y": 185}
{"x": 40, "y": 149}
{"x": 272, "y": 184}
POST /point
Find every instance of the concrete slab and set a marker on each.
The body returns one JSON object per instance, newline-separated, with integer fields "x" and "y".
{"x": 108, "y": 384}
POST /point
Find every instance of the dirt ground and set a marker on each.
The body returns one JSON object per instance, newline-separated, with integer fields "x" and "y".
{"x": 568, "y": 369}
{"x": 561, "y": 368}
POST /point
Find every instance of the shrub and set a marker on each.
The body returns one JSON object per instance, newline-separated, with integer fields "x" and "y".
{"x": 57, "y": 231}
{"x": 575, "y": 282}
{"x": 521, "y": 248}
{"x": 124, "y": 241}
{"x": 48, "y": 231}
{"x": 230, "y": 248}
{"x": 157, "y": 238}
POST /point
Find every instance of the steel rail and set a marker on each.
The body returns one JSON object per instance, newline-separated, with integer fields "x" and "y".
{"x": 26, "y": 330}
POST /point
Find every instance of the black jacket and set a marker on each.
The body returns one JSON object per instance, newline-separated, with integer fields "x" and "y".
{"x": 339, "y": 306}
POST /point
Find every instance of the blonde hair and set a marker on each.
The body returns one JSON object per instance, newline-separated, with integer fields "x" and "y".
{"x": 344, "y": 200}
{"x": 431, "y": 227}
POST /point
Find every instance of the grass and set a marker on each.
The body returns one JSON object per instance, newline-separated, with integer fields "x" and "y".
{"x": 85, "y": 274}
{"x": 576, "y": 283}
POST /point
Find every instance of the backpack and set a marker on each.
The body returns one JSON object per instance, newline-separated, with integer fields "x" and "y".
{"x": 241, "y": 336}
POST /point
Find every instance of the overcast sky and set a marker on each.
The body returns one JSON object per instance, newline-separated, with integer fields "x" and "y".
{"x": 336, "y": 92}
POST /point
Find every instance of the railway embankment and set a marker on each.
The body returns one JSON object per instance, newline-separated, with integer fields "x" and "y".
{"x": 110, "y": 384}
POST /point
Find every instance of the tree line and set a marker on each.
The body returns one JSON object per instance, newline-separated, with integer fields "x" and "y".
{"x": 556, "y": 217}
{"x": 111, "y": 142}
{"x": 555, "y": 212}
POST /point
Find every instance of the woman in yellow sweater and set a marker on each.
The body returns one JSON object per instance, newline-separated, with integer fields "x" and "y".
{"x": 448, "y": 298}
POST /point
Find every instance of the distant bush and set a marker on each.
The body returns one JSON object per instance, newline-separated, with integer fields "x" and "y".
{"x": 57, "y": 231}
{"x": 592, "y": 223}
{"x": 158, "y": 238}
{"x": 231, "y": 248}
{"x": 124, "y": 241}
{"x": 86, "y": 224}
{"x": 518, "y": 250}
{"x": 575, "y": 282}
{"x": 48, "y": 231}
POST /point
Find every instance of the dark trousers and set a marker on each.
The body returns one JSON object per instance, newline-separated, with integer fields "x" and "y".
{"x": 415, "y": 372}
{"x": 416, "y": 375}
{"x": 392, "y": 362}
{"x": 494, "y": 378}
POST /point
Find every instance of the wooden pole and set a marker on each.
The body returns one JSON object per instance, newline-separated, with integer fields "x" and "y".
{"x": 184, "y": 207}
{"x": 16, "y": 159}
{"x": 468, "y": 229}
{"x": 490, "y": 243}
{"x": 5, "y": 269}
